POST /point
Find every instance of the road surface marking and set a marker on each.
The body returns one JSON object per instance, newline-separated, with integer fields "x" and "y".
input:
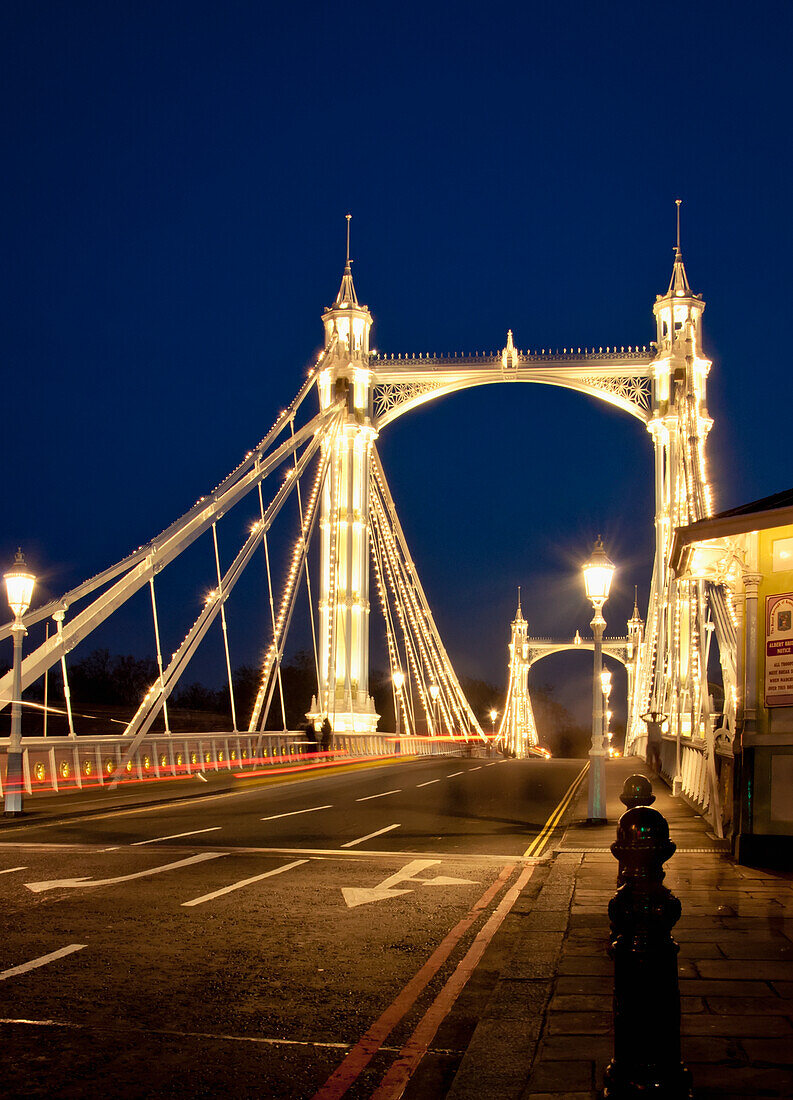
{"x": 428, "y": 783}
{"x": 8, "y": 870}
{"x": 453, "y": 775}
{"x": 69, "y": 883}
{"x": 244, "y": 882}
{"x": 381, "y": 795}
{"x": 293, "y": 813}
{"x": 42, "y": 960}
{"x": 355, "y": 895}
{"x": 542, "y": 837}
{"x": 478, "y": 768}
{"x": 395, "y": 1081}
{"x": 176, "y": 836}
{"x": 361, "y": 839}
{"x": 368, "y": 1045}
{"x": 113, "y": 849}
{"x": 490, "y": 765}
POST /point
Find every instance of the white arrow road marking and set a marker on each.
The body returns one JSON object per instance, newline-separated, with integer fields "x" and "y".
{"x": 67, "y": 883}
{"x": 244, "y": 882}
{"x": 42, "y": 960}
{"x": 355, "y": 895}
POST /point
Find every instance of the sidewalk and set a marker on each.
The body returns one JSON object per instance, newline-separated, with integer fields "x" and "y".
{"x": 547, "y": 1032}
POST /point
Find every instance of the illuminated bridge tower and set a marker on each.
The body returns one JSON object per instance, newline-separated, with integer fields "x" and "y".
{"x": 518, "y": 730}
{"x": 344, "y": 570}
{"x": 673, "y": 672}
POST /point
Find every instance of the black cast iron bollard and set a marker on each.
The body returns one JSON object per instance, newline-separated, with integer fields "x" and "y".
{"x": 646, "y": 1058}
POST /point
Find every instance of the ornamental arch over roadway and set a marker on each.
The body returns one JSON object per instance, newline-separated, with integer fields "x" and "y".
{"x": 621, "y": 377}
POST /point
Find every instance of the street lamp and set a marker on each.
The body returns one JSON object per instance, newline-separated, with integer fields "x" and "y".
{"x": 598, "y": 572}
{"x": 398, "y": 680}
{"x": 19, "y": 588}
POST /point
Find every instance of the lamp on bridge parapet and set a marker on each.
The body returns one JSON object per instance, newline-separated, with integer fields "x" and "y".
{"x": 19, "y": 588}
{"x": 493, "y": 714}
{"x": 598, "y": 572}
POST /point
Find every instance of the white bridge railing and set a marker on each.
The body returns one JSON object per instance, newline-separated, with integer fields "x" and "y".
{"x": 705, "y": 775}
{"x": 63, "y": 764}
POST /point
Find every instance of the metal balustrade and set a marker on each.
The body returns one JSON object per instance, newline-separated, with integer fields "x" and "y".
{"x": 60, "y": 764}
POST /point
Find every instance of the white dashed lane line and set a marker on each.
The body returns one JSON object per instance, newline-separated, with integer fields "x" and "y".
{"x": 294, "y": 813}
{"x": 453, "y": 774}
{"x": 42, "y": 960}
{"x": 361, "y": 839}
{"x": 243, "y": 882}
{"x": 8, "y": 870}
{"x": 173, "y": 836}
{"x": 382, "y": 794}
{"x": 428, "y": 783}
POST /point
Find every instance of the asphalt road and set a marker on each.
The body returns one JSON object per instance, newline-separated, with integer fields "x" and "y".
{"x": 334, "y": 935}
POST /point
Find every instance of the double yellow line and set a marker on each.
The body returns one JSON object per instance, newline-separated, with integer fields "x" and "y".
{"x": 542, "y": 838}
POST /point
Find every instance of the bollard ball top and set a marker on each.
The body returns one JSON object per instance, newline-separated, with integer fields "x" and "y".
{"x": 637, "y": 791}
{"x": 643, "y": 833}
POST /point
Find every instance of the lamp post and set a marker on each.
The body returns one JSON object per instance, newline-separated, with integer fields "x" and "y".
{"x": 398, "y": 680}
{"x": 19, "y": 588}
{"x": 598, "y": 572}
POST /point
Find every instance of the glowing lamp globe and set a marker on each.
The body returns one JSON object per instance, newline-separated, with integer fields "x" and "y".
{"x": 434, "y": 692}
{"x": 605, "y": 680}
{"x": 493, "y": 715}
{"x": 19, "y": 586}
{"x": 598, "y": 572}
{"x": 399, "y": 679}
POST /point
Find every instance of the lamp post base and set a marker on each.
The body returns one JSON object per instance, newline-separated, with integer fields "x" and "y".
{"x": 13, "y": 785}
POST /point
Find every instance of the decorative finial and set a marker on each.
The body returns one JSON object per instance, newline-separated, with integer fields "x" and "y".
{"x": 349, "y": 219}
{"x": 678, "y": 203}
{"x": 518, "y": 599}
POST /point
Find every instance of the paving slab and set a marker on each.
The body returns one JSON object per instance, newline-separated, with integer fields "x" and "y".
{"x": 735, "y": 968}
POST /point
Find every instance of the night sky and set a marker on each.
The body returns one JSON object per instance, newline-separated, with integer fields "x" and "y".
{"x": 175, "y": 179}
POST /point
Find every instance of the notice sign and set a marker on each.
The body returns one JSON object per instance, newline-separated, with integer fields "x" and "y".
{"x": 779, "y": 650}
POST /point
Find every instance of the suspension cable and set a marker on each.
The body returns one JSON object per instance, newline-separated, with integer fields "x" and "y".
{"x": 308, "y": 581}
{"x": 159, "y": 656}
{"x": 224, "y": 628}
{"x": 272, "y": 608}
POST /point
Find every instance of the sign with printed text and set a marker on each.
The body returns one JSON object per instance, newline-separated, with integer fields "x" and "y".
{"x": 779, "y": 650}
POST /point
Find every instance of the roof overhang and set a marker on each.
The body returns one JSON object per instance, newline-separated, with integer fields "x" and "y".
{"x": 719, "y": 527}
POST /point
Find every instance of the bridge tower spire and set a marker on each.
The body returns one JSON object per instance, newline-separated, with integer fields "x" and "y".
{"x": 518, "y": 730}
{"x": 346, "y": 379}
{"x": 671, "y": 652}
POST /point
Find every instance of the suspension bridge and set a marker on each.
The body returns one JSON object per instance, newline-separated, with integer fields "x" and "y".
{"x": 349, "y": 551}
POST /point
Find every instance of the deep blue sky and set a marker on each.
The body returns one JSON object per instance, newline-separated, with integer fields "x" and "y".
{"x": 175, "y": 178}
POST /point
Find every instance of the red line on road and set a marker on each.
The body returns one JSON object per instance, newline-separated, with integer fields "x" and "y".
{"x": 395, "y": 1081}
{"x": 365, "y": 1049}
